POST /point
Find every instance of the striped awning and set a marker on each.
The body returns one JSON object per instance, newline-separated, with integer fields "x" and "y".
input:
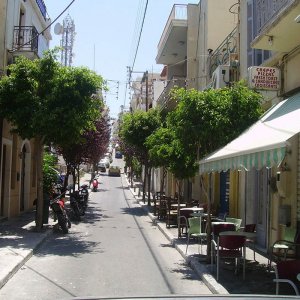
{"x": 263, "y": 144}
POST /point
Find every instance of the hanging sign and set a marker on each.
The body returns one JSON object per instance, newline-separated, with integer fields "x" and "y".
{"x": 264, "y": 78}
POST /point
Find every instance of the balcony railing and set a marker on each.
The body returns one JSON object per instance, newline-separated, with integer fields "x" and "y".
{"x": 25, "y": 38}
{"x": 178, "y": 12}
{"x": 174, "y": 82}
{"x": 221, "y": 56}
{"x": 266, "y": 11}
{"x": 42, "y": 7}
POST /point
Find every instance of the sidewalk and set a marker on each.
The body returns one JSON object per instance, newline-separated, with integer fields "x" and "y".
{"x": 19, "y": 240}
{"x": 258, "y": 279}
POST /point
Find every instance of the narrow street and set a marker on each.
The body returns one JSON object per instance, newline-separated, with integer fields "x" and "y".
{"x": 114, "y": 251}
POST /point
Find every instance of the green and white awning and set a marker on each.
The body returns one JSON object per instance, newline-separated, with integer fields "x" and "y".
{"x": 263, "y": 144}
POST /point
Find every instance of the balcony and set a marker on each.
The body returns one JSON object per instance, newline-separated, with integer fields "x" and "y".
{"x": 164, "y": 99}
{"x": 25, "y": 39}
{"x": 226, "y": 53}
{"x": 42, "y": 7}
{"x": 276, "y": 27}
{"x": 172, "y": 45}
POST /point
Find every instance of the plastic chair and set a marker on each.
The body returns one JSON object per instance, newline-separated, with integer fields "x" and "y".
{"x": 195, "y": 230}
{"x": 286, "y": 248}
{"x": 287, "y": 272}
{"x": 229, "y": 246}
{"x": 235, "y": 221}
{"x": 217, "y": 228}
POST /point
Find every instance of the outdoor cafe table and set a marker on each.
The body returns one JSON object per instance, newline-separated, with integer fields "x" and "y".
{"x": 175, "y": 205}
{"x": 248, "y": 235}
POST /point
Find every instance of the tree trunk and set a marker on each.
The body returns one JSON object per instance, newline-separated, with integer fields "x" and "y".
{"x": 149, "y": 185}
{"x": 162, "y": 182}
{"x": 178, "y": 206}
{"x": 78, "y": 176}
{"x": 144, "y": 182}
{"x": 39, "y": 171}
{"x": 208, "y": 197}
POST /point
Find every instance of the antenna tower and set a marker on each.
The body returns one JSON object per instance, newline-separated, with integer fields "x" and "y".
{"x": 67, "y": 41}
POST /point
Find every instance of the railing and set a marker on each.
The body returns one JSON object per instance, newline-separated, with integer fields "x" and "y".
{"x": 174, "y": 82}
{"x": 42, "y": 7}
{"x": 25, "y": 38}
{"x": 221, "y": 56}
{"x": 266, "y": 11}
{"x": 178, "y": 12}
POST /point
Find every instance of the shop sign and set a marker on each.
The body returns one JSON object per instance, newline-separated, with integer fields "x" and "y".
{"x": 264, "y": 78}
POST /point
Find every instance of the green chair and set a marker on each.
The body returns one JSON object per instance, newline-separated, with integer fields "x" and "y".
{"x": 235, "y": 221}
{"x": 195, "y": 230}
{"x": 287, "y": 248}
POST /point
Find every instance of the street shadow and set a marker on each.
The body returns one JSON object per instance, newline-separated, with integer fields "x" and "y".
{"x": 186, "y": 272}
{"x": 134, "y": 211}
{"x": 71, "y": 244}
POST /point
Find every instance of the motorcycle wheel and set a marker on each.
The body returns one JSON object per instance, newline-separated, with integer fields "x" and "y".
{"x": 62, "y": 221}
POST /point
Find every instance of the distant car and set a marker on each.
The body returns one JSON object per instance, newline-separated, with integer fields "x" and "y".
{"x": 118, "y": 154}
{"x": 102, "y": 166}
{"x": 106, "y": 161}
{"x": 114, "y": 171}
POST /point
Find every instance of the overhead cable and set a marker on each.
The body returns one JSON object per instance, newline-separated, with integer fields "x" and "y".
{"x": 15, "y": 49}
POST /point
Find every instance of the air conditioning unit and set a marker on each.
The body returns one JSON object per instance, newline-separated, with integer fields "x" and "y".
{"x": 220, "y": 77}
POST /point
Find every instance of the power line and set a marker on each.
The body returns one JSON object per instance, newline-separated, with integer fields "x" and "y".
{"x": 15, "y": 49}
{"x": 139, "y": 39}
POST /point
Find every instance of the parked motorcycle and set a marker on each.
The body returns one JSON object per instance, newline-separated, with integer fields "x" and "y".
{"x": 84, "y": 192}
{"x": 57, "y": 205}
{"x": 77, "y": 203}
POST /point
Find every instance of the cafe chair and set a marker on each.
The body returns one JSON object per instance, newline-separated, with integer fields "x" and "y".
{"x": 235, "y": 221}
{"x": 287, "y": 248}
{"x": 195, "y": 230}
{"x": 217, "y": 228}
{"x": 183, "y": 223}
{"x": 287, "y": 272}
{"x": 172, "y": 213}
{"x": 229, "y": 247}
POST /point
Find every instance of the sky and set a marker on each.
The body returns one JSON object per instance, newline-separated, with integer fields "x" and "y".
{"x": 106, "y": 38}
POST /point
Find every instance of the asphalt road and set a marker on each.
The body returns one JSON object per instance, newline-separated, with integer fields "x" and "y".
{"x": 115, "y": 251}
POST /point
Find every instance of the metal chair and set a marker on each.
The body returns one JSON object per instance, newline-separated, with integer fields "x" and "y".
{"x": 229, "y": 246}
{"x": 287, "y": 272}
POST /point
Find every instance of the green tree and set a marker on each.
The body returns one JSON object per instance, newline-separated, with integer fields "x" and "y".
{"x": 135, "y": 128}
{"x": 50, "y": 103}
{"x": 202, "y": 122}
{"x": 50, "y": 175}
{"x": 207, "y": 120}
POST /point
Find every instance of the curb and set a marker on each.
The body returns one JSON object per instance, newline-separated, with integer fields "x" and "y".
{"x": 201, "y": 270}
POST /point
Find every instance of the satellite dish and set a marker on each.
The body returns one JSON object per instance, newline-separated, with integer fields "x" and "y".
{"x": 58, "y": 29}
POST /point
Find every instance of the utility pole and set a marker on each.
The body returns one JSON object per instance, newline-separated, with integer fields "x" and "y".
{"x": 145, "y": 79}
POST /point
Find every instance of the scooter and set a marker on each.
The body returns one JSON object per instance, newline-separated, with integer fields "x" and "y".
{"x": 95, "y": 184}
{"x": 84, "y": 192}
{"x": 57, "y": 205}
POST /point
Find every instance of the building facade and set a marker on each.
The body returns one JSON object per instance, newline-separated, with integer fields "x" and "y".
{"x": 22, "y": 23}
{"x": 209, "y": 46}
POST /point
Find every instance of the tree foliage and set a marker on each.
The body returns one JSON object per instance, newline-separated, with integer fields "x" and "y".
{"x": 42, "y": 98}
{"x": 53, "y": 104}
